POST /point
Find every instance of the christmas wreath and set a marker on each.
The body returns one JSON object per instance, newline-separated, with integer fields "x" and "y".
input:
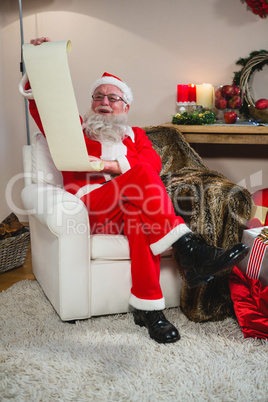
{"x": 254, "y": 62}
{"x": 259, "y": 7}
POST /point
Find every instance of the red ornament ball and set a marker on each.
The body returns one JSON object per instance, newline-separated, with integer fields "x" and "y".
{"x": 261, "y": 104}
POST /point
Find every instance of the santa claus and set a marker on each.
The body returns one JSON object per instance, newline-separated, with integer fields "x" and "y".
{"x": 128, "y": 197}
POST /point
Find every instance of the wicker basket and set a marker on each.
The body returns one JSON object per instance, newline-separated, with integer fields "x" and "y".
{"x": 13, "y": 251}
{"x": 258, "y": 115}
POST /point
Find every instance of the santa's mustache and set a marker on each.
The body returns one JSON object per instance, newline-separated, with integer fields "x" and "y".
{"x": 108, "y": 108}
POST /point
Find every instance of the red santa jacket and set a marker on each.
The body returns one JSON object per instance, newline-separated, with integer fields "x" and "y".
{"x": 134, "y": 149}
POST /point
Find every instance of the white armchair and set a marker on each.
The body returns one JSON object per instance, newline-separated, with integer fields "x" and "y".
{"x": 82, "y": 275}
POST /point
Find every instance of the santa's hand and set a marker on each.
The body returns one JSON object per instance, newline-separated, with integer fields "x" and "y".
{"x": 109, "y": 166}
{"x": 39, "y": 41}
{"x": 27, "y": 93}
{"x": 94, "y": 159}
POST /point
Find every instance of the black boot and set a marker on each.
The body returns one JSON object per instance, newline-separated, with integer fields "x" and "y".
{"x": 200, "y": 261}
{"x": 160, "y": 329}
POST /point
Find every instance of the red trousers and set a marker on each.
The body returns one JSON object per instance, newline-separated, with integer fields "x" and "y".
{"x": 136, "y": 204}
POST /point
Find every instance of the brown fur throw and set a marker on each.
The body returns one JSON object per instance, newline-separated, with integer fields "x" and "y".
{"x": 211, "y": 205}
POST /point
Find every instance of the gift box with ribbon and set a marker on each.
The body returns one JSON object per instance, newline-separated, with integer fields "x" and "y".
{"x": 255, "y": 264}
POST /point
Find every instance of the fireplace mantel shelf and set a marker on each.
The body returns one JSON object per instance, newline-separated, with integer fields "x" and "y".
{"x": 225, "y": 134}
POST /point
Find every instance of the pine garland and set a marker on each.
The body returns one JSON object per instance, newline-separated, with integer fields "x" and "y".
{"x": 196, "y": 118}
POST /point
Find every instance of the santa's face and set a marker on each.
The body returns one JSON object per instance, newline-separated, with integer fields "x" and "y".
{"x": 105, "y": 106}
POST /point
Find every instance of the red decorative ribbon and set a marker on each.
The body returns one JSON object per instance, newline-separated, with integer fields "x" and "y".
{"x": 255, "y": 259}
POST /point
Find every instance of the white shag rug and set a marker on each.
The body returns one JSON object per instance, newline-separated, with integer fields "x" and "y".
{"x": 111, "y": 359}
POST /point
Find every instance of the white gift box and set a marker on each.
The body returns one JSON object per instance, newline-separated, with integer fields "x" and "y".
{"x": 255, "y": 264}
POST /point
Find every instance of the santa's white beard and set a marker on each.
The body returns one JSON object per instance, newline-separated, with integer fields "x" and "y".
{"x": 102, "y": 128}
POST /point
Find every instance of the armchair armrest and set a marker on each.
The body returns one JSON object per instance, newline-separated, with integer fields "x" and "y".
{"x": 55, "y": 208}
{"x": 59, "y": 228}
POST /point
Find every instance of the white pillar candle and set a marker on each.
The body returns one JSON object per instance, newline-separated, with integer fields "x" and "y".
{"x": 204, "y": 95}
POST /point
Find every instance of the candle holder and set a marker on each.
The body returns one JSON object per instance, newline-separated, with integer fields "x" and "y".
{"x": 189, "y": 108}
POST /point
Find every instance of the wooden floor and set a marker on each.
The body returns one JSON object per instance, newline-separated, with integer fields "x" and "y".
{"x": 8, "y": 278}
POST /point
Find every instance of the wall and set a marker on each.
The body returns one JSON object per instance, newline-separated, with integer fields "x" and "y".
{"x": 151, "y": 44}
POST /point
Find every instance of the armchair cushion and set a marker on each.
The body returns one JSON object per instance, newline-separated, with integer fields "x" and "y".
{"x": 113, "y": 247}
{"x": 109, "y": 247}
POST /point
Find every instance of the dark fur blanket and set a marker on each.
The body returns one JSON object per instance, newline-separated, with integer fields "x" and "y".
{"x": 209, "y": 204}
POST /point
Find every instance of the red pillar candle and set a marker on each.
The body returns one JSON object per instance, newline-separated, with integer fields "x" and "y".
{"x": 182, "y": 93}
{"x": 192, "y": 93}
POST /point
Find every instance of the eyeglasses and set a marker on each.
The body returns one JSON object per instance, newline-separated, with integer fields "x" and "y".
{"x": 111, "y": 98}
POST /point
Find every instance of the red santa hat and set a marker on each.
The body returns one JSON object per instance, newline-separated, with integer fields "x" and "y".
{"x": 113, "y": 80}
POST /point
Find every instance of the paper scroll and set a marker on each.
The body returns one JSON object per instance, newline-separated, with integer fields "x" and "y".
{"x": 49, "y": 75}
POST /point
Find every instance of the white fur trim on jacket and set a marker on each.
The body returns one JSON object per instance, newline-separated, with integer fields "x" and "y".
{"x": 146, "y": 304}
{"x": 130, "y": 133}
{"x": 28, "y": 94}
{"x": 86, "y": 189}
{"x": 123, "y": 163}
{"x": 171, "y": 237}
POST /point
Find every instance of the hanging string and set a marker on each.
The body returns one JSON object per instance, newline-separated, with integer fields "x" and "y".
{"x": 22, "y": 69}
